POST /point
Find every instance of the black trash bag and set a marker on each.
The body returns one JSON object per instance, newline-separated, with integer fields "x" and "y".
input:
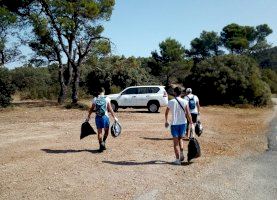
{"x": 116, "y": 129}
{"x": 194, "y": 150}
{"x": 86, "y": 130}
{"x": 198, "y": 128}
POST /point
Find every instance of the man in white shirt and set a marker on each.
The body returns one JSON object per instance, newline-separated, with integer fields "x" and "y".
{"x": 180, "y": 113}
{"x": 193, "y": 103}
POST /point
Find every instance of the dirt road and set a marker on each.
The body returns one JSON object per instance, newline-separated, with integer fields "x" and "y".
{"x": 41, "y": 156}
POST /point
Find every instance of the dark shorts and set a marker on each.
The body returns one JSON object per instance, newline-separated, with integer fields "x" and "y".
{"x": 102, "y": 122}
{"x": 194, "y": 117}
{"x": 194, "y": 120}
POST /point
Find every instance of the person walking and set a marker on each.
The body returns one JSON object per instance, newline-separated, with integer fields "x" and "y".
{"x": 102, "y": 105}
{"x": 180, "y": 113}
{"x": 194, "y": 106}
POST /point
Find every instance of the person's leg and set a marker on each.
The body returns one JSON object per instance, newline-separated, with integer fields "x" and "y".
{"x": 106, "y": 134}
{"x": 181, "y": 145}
{"x": 106, "y": 126}
{"x": 182, "y": 130}
{"x": 100, "y": 125}
{"x": 101, "y": 145}
{"x": 176, "y": 147}
{"x": 174, "y": 133}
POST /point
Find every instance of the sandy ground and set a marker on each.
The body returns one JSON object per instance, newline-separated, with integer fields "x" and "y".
{"x": 42, "y": 157}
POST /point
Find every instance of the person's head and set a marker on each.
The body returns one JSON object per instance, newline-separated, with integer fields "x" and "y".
{"x": 188, "y": 91}
{"x": 177, "y": 91}
{"x": 99, "y": 91}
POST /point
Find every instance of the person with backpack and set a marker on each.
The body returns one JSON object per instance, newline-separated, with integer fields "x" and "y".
{"x": 180, "y": 113}
{"x": 102, "y": 105}
{"x": 193, "y": 103}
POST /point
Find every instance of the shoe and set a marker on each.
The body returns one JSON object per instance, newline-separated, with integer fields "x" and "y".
{"x": 104, "y": 145}
{"x": 182, "y": 157}
{"x": 177, "y": 162}
{"x": 100, "y": 150}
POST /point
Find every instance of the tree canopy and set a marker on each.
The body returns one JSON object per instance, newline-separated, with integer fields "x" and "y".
{"x": 169, "y": 61}
{"x": 64, "y": 29}
{"x": 238, "y": 39}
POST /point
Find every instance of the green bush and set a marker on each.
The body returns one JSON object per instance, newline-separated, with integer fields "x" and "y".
{"x": 36, "y": 82}
{"x": 116, "y": 73}
{"x": 270, "y": 77}
{"x": 6, "y": 88}
{"x": 229, "y": 79}
{"x": 115, "y": 89}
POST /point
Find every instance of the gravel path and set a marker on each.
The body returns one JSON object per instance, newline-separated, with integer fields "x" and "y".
{"x": 247, "y": 177}
{"x": 42, "y": 157}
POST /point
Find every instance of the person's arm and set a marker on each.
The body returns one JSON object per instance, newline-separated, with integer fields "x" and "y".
{"x": 198, "y": 107}
{"x": 166, "y": 117}
{"x": 188, "y": 115}
{"x": 110, "y": 109}
{"x": 90, "y": 111}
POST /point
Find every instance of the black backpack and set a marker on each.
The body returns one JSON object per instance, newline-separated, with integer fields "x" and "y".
{"x": 191, "y": 103}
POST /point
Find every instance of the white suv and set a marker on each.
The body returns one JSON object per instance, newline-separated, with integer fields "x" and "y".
{"x": 152, "y": 97}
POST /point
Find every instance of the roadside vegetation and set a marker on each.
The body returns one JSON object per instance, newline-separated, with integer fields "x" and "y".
{"x": 72, "y": 59}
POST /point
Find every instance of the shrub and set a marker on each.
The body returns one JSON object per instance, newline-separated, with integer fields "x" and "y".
{"x": 270, "y": 77}
{"x": 6, "y": 88}
{"x": 35, "y": 82}
{"x": 229, "y": 79}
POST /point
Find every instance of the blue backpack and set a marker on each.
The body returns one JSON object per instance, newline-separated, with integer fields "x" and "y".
{"x": 191, "y": 103}
{"x": 100, "y": 106}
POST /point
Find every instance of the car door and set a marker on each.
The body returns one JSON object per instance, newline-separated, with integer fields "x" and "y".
{"x": 142, "y": 96}
{"x": 128, "y": 97}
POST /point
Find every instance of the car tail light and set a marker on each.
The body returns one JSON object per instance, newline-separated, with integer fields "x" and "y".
{"x": 165, "y": 94}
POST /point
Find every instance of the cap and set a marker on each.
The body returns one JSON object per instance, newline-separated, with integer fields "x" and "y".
{"x": 188, "y": 90}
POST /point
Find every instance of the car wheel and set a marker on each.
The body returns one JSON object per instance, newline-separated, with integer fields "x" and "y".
{"x": 153, "y": 107}
{"x": 114, "y": 106}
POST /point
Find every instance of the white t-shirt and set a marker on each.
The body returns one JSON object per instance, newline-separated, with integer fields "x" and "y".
{"x": 107, "y": 101}
{"x": 178, "y": 114}
{"x": 190, "y": 96}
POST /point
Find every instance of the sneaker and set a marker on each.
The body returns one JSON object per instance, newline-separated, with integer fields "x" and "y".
{"x": 177, "y": 162}
{"x": 182, "y": 157}
{"x": 100, "y": 149}
{"x": 103, "y": 145}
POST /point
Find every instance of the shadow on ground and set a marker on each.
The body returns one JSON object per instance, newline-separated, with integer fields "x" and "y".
{"x": 152, "y": 162}
{"x": 155, "y": 138}
{"x": 55, "y": 151}
{"x": 160, "y": 139}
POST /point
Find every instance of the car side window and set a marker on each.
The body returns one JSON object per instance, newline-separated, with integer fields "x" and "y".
{"x": 143, "y": 90}
{"x": 153, "y": 90}
{"x": 130, "y": 91}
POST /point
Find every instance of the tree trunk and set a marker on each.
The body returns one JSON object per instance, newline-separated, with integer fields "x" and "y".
{"x": 63, "y": 86}
{"x": 75, "y": 85}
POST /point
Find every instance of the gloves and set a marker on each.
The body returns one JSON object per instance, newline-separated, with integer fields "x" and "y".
{"x": 87, "y": 119}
